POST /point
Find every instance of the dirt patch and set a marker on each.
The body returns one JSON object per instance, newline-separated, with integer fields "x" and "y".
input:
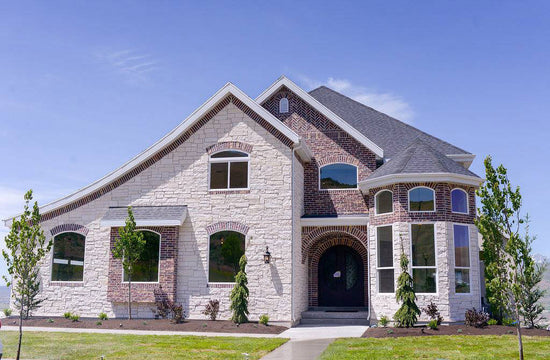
{"x": 149, "y": 324}
{"x": 381, "y": 332}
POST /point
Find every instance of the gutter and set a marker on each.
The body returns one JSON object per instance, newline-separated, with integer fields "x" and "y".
{"x": 292, "y": 319}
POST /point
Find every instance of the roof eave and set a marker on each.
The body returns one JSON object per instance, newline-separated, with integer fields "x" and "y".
{"x": 368, "y": 184}
{"x": 465, "y": 159}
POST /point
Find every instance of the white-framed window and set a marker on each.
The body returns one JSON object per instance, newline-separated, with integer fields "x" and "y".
{"x": 424, "y": 262}
{"x": 229, "y": 169}
{"x": 283, "y": 105}
{"x": 461, "y": 237}
{"x": 459, "y": 201}
{"x": 338, "y": 176}
{"x": 147, "y": 268}
{"x": 225, "y": 251}
{"x": 68, "y": 257}
{"x": 421, "y": 199}
{"x": 384, "y": 261}
{"x": 383, "y": 202}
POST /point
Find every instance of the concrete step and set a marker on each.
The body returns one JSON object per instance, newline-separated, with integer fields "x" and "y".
{"x": 335, "y": 315}
{"x": 329, "y": 321}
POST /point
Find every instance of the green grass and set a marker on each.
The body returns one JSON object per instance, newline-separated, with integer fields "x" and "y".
{"x": 438, "y": 347}
{"x": 57, "y": 345}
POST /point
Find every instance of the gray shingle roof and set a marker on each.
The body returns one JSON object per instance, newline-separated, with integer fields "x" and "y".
{"x": 146, "y": 215}
{"x": 420, "y": 158}
{"x": 392, "y": 135}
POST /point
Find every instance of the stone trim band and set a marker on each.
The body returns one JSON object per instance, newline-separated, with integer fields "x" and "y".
{"x": 69, "y": 227}
{"x": 227, "y": 226}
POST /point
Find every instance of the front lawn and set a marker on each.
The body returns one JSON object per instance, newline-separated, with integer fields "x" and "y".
{"x": 55, "y": 345}
{"x": 438, "y": 347}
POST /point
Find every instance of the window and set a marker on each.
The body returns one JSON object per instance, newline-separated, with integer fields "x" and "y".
{"x": 338, "y": 176}
{"x": 226, "y": 249}
{"x": 229, "y": 170}
{"x": 459, "y": 201}
{"x": 462, "y": 259}
{"x": 146, "y": 268}
{"x": 68, "y": 257}
{"x": 384, "y": 239}
{"x": 421, "y": 199}
{"x": 283, "y": 105}
{"x": 423, "y": 258}
{"x": 383, "y": 202}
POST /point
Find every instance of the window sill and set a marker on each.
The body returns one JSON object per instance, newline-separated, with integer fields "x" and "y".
{"x": 229, "y": 191}
{"x": 221, "y": 285}
{"x": 66, "y": 283}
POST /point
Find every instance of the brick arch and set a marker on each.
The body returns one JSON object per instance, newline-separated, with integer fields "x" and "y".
{"x": 312, "y": 237}
{"x": 332, "y": 159}
{"x": 319, "y": 247}
{"x": 81, "y": 229}
{"x": 229, "y": 145}
{"x": 227, "y": 226}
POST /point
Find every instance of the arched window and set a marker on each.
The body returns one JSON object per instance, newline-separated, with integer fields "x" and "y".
{"x": 229, "y": 170}
{"x": 421, "y": 199}
{"x": 338, "y": 176}
{"x": 283, "y": 105}
{"x": 459, "y": 201}
{"x": 226, "y": 249}
{"x": 68, "y": 257}
{"x": 147, "y": 267}
{"x": 383, "y": 202}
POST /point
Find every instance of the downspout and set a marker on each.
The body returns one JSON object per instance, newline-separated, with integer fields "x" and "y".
{"x": 368, "y": 273}
{"x": 292, "y": 319}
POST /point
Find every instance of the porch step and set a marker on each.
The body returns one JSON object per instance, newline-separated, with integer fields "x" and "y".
{"x": 332, "y": 317}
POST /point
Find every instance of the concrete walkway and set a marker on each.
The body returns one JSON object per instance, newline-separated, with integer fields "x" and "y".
{"x": 299, "y": 350}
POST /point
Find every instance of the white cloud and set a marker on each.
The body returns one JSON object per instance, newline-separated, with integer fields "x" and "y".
{"x": 386, "y": 102}
{"x": 129, "y": 62}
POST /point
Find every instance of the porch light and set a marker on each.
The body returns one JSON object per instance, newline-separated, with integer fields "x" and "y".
{"x": 267, "y": 255}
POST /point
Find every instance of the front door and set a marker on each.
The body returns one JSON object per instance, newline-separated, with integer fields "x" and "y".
{"x": 341, "y": 280}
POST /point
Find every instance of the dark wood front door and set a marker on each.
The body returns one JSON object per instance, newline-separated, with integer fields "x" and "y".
{"x": 341, "y": 281}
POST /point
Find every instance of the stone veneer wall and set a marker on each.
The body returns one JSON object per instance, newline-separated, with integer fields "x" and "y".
{"x": 180, "y": 177}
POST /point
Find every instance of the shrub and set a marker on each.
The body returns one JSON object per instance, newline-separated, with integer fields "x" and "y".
{"x": 459, "y": 331}
{"x": 67, "y": 315}
{"x": 432, "y": 311}
{"x": 492, "y": 322}
{"x": 239, "y": 294}
{"x": 7, "y": 312}
{"x": 508, "y": 322}
{"x": 50, "y": 321}
{"x": 177, "y": 314}
{"x": 384, "y": 321}
{"x": 75, "y": 317}
{"x": 212, "y": 309}
{"x": 407, "y": 314}
{"x": 167, "y": 308}
{"x": 476, "y": 318}
{"x": 98, "y": 323}
{"x": 102, "y": 316}
{"x": 264, "y": 319}
{"x": 433, "y": 324}
{"x": 389, "y": 331}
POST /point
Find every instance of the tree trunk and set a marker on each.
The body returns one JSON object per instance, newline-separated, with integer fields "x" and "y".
{"x": 518, "y": 327}
{"x": 20, "y": 334}
{"x": 129, "y": 297}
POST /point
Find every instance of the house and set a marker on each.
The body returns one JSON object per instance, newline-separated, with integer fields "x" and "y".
{"x": 333, "y": 189}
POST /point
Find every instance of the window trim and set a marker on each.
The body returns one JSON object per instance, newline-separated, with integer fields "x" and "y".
{"x": 467, "y": 201}
{"x": 158, "y": 276}
{"x": 435, "y": 255}
{"x": 83, "y": 265}
{"x": 469, "y": 268}
{"x": 228, "y": 160}
{"x": 384, "y": 267}
{"x": 344, "y": 189}
{"x": 420, "y": 211}
{"x": 376, "y": 202}
{"x": 208, "y": 282}
{"x": 287, "y": 103}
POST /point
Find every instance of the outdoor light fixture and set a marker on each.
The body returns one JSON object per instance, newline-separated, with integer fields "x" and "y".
{"x": 267, "y": 255}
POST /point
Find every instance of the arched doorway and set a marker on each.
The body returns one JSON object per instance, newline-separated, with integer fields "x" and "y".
{"x": 340, "y": 277}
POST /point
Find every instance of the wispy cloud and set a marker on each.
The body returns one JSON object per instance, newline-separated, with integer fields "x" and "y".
{"x": 386, "y": 102}
{"x": 129, "y": 62}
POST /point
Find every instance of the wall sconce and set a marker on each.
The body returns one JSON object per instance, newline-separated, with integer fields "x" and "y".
{"x": 267, "y": 255}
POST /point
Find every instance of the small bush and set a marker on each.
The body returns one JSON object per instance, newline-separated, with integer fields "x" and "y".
{"x": 459, "y": 331}
{"x": 508, "y": 322}
{"x": 264, "y": 319}
{"x": 433, "y": 324}
{"x": 432, "y": 311}
{"x": 67, "y": 315}
{"x": 389, "y": 331}
{"x": 384, "y": 321}
{"x": 177, "y": 314}
{"x": 167, "y": 308}
{"x": 7, "y": 312}
{"x": 102, "y": 316}
{"x": 75, "y": 317}
{"x": 98, "y": 323}
{"x": 212, "y": 309}
{"x": 50, "y": 321}
{"x": 476, "y": 318}
{"x": 492, "y": 322}
{"x": 145, "y": 323}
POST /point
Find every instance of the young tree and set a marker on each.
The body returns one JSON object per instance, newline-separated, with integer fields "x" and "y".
{"x": 239, "y": 295}
{"x": 128, "y": 247}
{"x": 26, "y": 247}
{"x": 407, "y": 315}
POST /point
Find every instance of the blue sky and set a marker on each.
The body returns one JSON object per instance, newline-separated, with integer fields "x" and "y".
{"x": 85, "y": 86}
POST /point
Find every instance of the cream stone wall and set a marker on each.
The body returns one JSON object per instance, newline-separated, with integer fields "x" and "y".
{"x": 300, "y": 276}
{"x": 181, "y": 178}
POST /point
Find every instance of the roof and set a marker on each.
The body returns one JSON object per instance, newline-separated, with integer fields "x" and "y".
{"x": 146, "y": 215}
{"x": 392, "y": 135}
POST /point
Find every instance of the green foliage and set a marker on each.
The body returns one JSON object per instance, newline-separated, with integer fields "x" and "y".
{"x": 432, "y": 324}
{"x": 384, "y": 321}
{"x": 7, "y": 312}
{"x": 389, "y": 331}
{"x": 492, "y": 322}
{"x": 264, "y": 319}
{"x": 211, "y": 309}
{"x": 407, "y": 314}
{"x": 508, "y": 321}
{"x": 67, "y": 315}
{"x": 75, "y": 317}
{"x": 128, "y": 247}
{"x": 98, "y": 323}
{"x": 239, "y": 295}
{"x": 102, "y": 316}
{"x": 50, "y": 321}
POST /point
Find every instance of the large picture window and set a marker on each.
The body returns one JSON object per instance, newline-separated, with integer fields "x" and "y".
{"x": 383, "y": 202}
{"x": 147, "y": 267}
{"x": 229, "y": 170}
{"x": 462, "y": 259}
{"x": 384, "y": 237}
{"x": 421, "y": 199}
{"x": 338, "y": 176}
{"x": 459, "y": 201}
{"x": 68, "y": 257}
{"x": 226, "y": 249}
{"x": 423, "y": 258}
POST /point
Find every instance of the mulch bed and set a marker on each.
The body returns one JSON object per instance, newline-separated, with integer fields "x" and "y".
{"x": 381, "y": 332}
{"x": 149, "y": 324}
